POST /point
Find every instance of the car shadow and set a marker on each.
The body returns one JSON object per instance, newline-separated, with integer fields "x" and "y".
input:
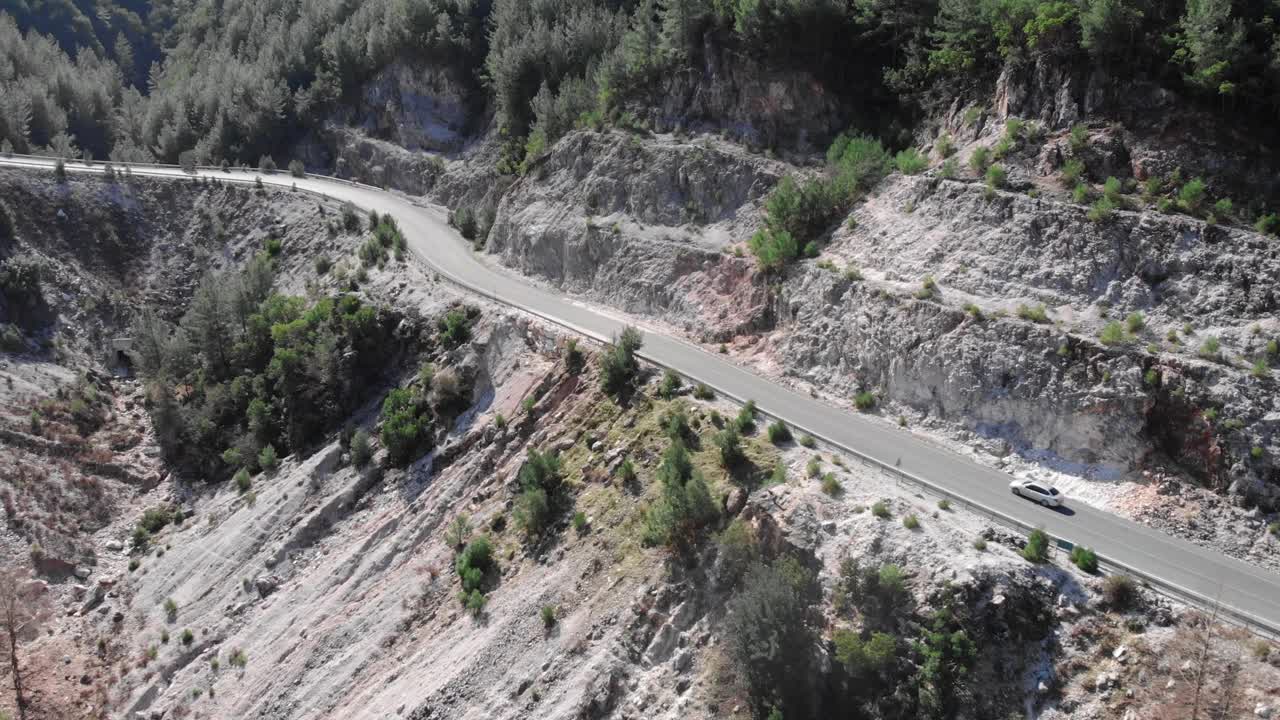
{"x": 1062, "y": 510}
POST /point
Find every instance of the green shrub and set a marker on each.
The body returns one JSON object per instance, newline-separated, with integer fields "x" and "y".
{"x": 60, "y": 170}
{"x": 928, "y": 288}
{"x": 1037, "y": 547}
{"x": 831, "y": 484}
{"x": 1261, "y": 368}
{"x": 1191, "y": 196}
{"x": 944, "y": 505}
{"x": 361, "y": 452}
{"x": 1072, "y": 172}
{"x": 458, "y": 531}
{"x": 1210, "y": 348}
{"x": 618, "y": 364}
{"x": 170, "y": 608}
{"x": 627, "y": 471}
{"x": 155, "y": 519}
{"x": 737, "y": 549}
{"x": 1268, "y": 224}
{"x": 1085, "y": 559}
{"x": 807, "y": 441}
{"x": 996, "y": 177}
{"x": 1112, "y": 333}
{"x": 267, "y": 164}
{"x": 910, "y": 161}
{"x": 267, "y": 458}
{"x": 703, "y": 392}
{"x": 949, "y": 169}
{"x": 454, "y": 327}
{"x": 297, "y": 169}
{"x": 1034, "y": 313}
{"x": 405, "y": 426}
{"x": 881, "y": 509}
{"x": 1080, "y": 194}
{"x": 1274, "y": 528}
{"x": 745, "y": 422}
{"x": 779, "y": 433}
{"x": 475, "y": 603}
{"x": 979, "y": 159}
{"x": 1222, "y": 210}
{"x": 1102, "y": 210}
{"x": 773, "y": 248}
{"x": 548, "y": 613}
{"x": 911, "y": 522}
{"x": 944, "y": 146}
{"x": 1079, "y": 137}
{"x": 779, "y": 476}
{"x": 684, "y": 506}
{"x": 871, "y": 657}
{"x": 473, "y": 562}
{"x": 1256, "y": 452}
{"x": 670, "y": 385}
{"x": 729, "y": 441}
{"x": 242, "y": 481}
{"x": 864, "y": 401}
{"x": 579, "y": 522}
{"x": 187, "y": 636}
{"x": 814, "y": 467}
{"x": 273, "y": 246}
{"x": 1135, "y": 322}
{"x": 980, "y": 544}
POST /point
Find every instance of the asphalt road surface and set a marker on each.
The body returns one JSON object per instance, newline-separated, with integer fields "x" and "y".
{"x": 1240, "y": 589}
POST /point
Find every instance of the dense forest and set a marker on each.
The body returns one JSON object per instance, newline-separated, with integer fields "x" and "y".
{"x": 234, "y": 79}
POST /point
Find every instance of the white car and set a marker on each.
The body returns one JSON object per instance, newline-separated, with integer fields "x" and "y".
{"x": 1043, "y": 493}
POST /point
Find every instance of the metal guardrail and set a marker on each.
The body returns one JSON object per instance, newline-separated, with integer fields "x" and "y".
{"x": 1174, "y": 591}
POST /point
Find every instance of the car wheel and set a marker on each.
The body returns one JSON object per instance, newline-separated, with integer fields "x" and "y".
{"x": 1044, "y": 503}
{"x": 1015, "y": 491}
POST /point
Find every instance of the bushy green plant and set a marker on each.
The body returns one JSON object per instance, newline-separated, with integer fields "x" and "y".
{"x": 1210, "y": 348}
{"x": 1112, "y": 333}
{"x": 242, "y": 481}
{"x": 670, "y": 385}
{"x": 807, "y": 441}
{"x": 1037, "y": 548}
{"x": 813, "y": 468}
{"x": 911, "y": 522}
{"x": 405, "y": 426}
{"x": 745, "y": 422}
{"x": 779, "y": 432}
{"x": 473, "y": 562}
{"x": 910, "y": 161}
{"x": 684, "y": 506}
{"x": 1034, "y": 313}
{"x": 1079, "y": 138}
{"x": 944, "y": 146}
{"x": 979, "y": 160}
{"x": 729, "y": 442}
{"x": 996, "y": 177}
{"x": 548, "y": 614}
{"x": 1102, "y": 210}
{"x": 268, "y": 460}
{"x": 1085, "y": 559}
{"x": 579, "y": 522}
{"x": 703, "y": 392}
{"x": 831, "y": 484}
{"x": 1072, "y": 172}
{"x": 1135, "y": 322}
{"x": 1268, "y": 224}
{"x": 880, "y": 509}
{"x": 1191, "y": 196}
{"x": 618, "y": 364}
{"x": 361, "y": 452}
{"x": 864, "y": 401}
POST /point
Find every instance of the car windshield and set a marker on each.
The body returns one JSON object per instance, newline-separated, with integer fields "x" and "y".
{"x": 1053, "y": 491}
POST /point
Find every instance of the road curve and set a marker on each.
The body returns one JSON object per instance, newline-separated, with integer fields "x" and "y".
{"x": 1245, "y": 593}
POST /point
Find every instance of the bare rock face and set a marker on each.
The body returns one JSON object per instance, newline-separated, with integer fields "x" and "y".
{"x": 640, "y": 225}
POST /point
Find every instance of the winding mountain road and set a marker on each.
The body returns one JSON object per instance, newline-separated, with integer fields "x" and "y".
{"x": 1244, "y": 593}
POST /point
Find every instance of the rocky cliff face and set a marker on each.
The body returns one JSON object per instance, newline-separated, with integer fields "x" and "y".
{"x": 642, "y": 225}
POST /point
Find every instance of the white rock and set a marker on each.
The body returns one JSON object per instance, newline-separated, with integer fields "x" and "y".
{"x": 1262, "y": 710}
